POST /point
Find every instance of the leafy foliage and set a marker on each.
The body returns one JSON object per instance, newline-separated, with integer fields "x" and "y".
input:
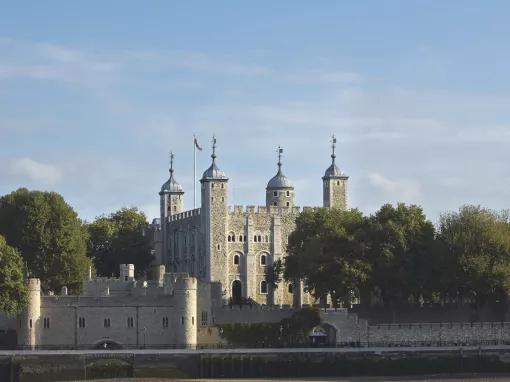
{"x": 49, "y": 235}
{"x": 120, "y": 238}
{"x": 475, "y": 246}
{"x": 328, "y": 251}
{"x": 400, "y": 239}
{"x": 13, "y": 289}
{"x": 289, "y": 331}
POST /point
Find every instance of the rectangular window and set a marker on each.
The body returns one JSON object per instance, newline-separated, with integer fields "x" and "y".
{"x": 106, "y": 323}
{"x": 275, "y": 193}
{"x": 46, "y": 322}
{"x": 30, "y": 323}
{"x": 204, "y": 319}
{"x": 81, "y": 322}
{"x": 130, "y": 322}
{"x": 182, "y": 320}
{"x": 192, "y": 320}
{"x": 165, "y": 322}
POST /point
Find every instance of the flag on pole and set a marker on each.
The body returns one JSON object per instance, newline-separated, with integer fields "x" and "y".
{"x": 196, "y": 143}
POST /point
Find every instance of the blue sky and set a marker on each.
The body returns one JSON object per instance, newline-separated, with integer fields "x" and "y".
{"x": 94, "y": 95}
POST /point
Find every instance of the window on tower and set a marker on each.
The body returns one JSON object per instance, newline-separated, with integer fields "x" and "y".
{"x": 263, "y": 287}
{"x": 275, "y": 193}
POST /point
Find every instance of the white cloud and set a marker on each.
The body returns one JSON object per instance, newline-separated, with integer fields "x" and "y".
{"x": 397, "y": 190}
{"x": 29, "y": 170}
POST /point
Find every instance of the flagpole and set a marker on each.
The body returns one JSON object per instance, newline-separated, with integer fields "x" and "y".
{"x": 194, "y": 173}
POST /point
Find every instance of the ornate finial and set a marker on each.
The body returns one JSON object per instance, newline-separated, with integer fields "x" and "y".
{"x": 213, "y": 156}
{"x": 280, "y": 152}
{"x": 333, "y": 146}
{"x": 171, "y": 162}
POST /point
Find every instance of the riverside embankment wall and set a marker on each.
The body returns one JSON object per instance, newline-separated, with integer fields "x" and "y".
{"x": 272, "y": 363}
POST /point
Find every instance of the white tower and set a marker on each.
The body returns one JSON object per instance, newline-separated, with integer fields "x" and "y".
{"x": 279, "y": 190}
{"x": 334, "y": 184}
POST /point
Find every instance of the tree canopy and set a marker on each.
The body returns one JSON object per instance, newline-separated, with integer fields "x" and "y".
{"x": 120, "y": 238}
{"x": 475, "y": 250}
{"x": 328, "y": 251}
{"x": 49, "y": 235}
{"x": 13, "y": 289}
{"x": 396, "y": 255}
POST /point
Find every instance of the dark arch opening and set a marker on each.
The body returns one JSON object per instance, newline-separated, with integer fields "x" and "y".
{"x": 237, "y": 292}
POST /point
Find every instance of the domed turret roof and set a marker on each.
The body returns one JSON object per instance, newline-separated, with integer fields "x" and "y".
{"x": 171, "y": 185}
{"x": 214, "y": 172}
{"x": 333, "y": 171}
{"x": 279, "y": 180}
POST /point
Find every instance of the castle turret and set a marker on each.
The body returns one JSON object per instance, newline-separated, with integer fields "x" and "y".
{"x": 185, "y": 324}
{"x": 214, "y": 220}
{"x": 30, "y": 327}
{"x": 279, "y": 190}
{"x": 334, "y": 184}
{"x": 171, "y": 203}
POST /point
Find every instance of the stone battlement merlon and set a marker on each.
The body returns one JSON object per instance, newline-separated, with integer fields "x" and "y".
{"x": 279, "y": 211}
{"x": 184, "y": 215}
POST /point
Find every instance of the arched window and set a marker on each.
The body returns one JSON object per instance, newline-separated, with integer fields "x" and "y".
{"x": 288, "y": 193}
{"x": 236, "y": 259}
{"x": 288, "y": 204}
{"x": 229, "y": 238}
{"x": 259, "y": 238}
{"x": 291, "y": 288}
{"x": 263, "y": 260}
{"x": 263, "y": 286}
{"x": 255, "y": 238}
{"x": 240, "y": 238}
{"x": 338, "y": 183}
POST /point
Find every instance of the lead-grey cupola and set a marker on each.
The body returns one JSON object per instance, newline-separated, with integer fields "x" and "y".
{"x": 171, "y": 186}
{"x": 279, "y": 180}
{"x": 214, "y": 172}
{"x": 279, "y": 190}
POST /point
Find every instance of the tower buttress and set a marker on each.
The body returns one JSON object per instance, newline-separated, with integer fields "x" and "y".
{"x": 334, "y": 184}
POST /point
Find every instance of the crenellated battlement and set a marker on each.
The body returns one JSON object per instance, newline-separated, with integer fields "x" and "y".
{"x": 271, "y": 210}
{"x": 185, "y": 215}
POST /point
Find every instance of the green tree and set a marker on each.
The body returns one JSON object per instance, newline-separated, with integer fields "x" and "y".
{"x": 475, "y": 246}
{"x": 327, "y": 250}
{"x": 49, "y": 235}
{"x": 400, "y": 240}
{"x": 120, "y": 238}
{"x": 13, "y": 289}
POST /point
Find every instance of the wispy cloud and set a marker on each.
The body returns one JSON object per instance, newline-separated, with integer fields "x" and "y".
{"x": 27, "y": 170}
{"x": 397, "y": 190}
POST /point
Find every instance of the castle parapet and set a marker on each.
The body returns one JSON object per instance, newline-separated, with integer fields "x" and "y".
{"x": 184, "y": 215}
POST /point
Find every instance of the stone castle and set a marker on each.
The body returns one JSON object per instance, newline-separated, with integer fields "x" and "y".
{"x": 207, "y": 261}
{"x": 236, "y": 245}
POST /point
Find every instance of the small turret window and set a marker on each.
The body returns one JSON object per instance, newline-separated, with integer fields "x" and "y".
{"x": 263, "y": 287}
{"x": 222, "y": 185}
{"x": 275, "y": 193}
{"x": 240, "y": 238}
{"x": 288, "y": 204}
{"x": 212, "y": 185}
{"x": 288, "y": 193}
{"x": 263, "y": 260}
{"x": 236, "y": 260}
{"x": 338, "y": 183}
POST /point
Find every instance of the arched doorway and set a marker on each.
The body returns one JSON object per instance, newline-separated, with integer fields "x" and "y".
{"x": 237, "y": 292}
